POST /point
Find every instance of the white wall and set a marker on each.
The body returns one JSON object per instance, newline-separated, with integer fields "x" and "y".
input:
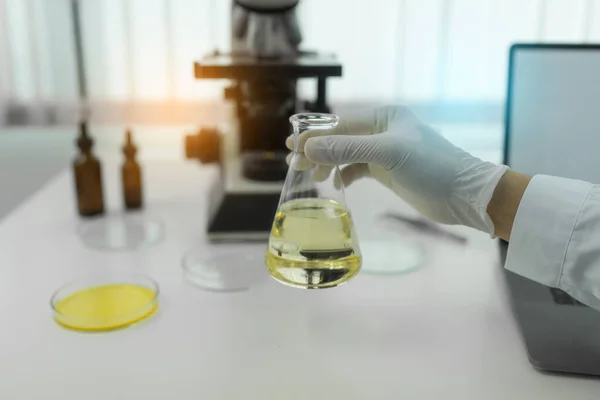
{"x": 420, "y": 51}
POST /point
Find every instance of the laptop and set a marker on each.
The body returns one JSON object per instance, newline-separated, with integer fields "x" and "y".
{"x": 552, "y": 126}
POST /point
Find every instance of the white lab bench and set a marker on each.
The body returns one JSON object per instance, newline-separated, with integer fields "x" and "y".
{"x": 444, "y": 331}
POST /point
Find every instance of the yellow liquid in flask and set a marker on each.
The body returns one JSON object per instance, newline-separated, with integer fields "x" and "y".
{"x": 106, "y": 307}
{"x": 313, "y": 244}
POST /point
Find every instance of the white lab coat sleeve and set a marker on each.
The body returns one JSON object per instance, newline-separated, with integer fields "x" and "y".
{"x": 555, "y": 238}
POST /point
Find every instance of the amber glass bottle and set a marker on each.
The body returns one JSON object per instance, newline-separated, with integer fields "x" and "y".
{"x": 88, "y": 176}
{"x": 131, "y": 175}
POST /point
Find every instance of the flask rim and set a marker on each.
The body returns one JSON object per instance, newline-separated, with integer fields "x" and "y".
{"x": 314, "y": 120}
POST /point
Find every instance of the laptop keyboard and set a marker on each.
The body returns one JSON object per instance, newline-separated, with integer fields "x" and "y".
{"x": 562, "y": 297}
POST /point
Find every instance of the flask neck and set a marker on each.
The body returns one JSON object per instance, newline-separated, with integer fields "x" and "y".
{"x": 297, "y": 132}
{"x": 311, "y": 121}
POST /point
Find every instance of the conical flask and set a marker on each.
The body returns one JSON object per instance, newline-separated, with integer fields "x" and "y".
{"x": 313, "y": 243}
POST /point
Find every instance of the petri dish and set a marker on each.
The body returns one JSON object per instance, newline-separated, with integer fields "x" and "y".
{"x": 122, "y": 232}
{"x": 387, "y": 257}
{"x": 225, "y": 267}
{"x": 391, "y": 247}
{"x": 95, "y": 304}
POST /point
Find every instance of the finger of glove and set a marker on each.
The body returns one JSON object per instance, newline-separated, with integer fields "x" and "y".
{"x": 299, "y": 162}
{"x": 353, "y": 172}
{"x": 365, "y": 123}
{"x": 338, "y": 150}
{"x": 322, "y": 172}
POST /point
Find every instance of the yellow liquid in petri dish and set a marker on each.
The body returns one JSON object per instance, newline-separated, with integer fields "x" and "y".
{"x": 106, "y": 307}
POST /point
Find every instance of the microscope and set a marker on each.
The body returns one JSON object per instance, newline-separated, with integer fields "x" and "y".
{"x": 263, "y": 67}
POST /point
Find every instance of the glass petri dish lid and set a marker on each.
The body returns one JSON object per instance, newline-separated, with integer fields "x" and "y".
{"x": 225, "y": 267}
{"x": 387, "y": 257}
{"x": 124, "y": 231}
{"x": 105, "y": 303}
{"x": 392, "y": 249}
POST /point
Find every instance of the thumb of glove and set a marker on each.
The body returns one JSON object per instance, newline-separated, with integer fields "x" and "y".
{"x": 344, "y": 149}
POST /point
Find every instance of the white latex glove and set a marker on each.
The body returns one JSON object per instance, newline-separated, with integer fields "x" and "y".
{"x": 443, "y": 182}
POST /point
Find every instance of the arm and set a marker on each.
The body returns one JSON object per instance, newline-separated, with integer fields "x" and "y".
{"x": 503, "y": 206}
{"x": 553, "y": 223}
{"x": 555, "y": 238}
{"x": 555, "y": 226}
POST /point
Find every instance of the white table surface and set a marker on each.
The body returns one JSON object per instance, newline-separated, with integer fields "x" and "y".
{"x": 442, "y": 332}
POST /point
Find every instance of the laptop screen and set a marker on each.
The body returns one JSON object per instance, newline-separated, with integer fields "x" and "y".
{"x": 553, "y": 111}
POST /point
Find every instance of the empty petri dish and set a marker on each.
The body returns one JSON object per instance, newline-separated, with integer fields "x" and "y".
{"x": 388, "y": 257}
{"x": 225, "y": 267}
{"x": 95, "y": 304}
{"x": 122, "y": 232}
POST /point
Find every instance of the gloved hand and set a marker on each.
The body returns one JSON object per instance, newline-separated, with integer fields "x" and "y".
{"x": 441, "y": 181}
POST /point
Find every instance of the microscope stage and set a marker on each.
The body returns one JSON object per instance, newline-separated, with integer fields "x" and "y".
{"x": 246, "y": 66}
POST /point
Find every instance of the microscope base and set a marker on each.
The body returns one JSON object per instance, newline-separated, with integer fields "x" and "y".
{"x": 241, "y": 216}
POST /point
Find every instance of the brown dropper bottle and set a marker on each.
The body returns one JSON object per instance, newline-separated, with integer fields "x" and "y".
{"x": 131, "y": 175}
{"x": 88, "y": 176}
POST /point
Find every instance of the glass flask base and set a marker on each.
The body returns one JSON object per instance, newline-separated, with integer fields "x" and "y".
{"x": 312, "y": 274}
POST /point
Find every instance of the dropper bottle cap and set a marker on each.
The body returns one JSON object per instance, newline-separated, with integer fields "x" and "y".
{"x": 84, "y": 141}
{"x": 129, "y": 149}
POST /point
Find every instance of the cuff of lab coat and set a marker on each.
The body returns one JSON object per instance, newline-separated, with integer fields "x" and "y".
{"x": 543, "y": 227}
